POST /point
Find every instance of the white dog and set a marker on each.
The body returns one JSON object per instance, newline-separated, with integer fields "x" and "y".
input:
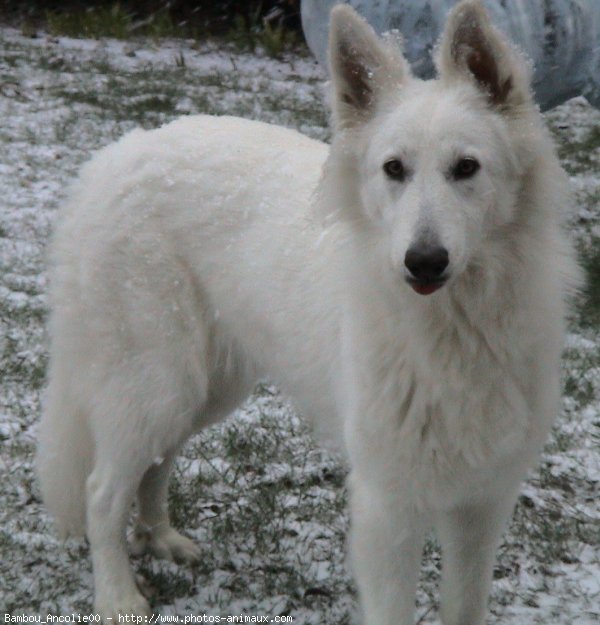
{"x": 411, "y": 278}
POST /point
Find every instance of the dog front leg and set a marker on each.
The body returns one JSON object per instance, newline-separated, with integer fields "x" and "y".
{"x": 469, "y": 536}
{"x": 385, "y": 549}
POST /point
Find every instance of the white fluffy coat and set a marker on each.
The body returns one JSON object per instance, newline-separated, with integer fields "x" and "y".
{"x": 194, "y": 259}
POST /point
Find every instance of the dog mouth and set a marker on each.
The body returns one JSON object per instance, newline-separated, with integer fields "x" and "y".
{"x": 425, "y": 287}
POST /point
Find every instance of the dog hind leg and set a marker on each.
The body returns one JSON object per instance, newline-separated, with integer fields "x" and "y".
{"x": 154, "y": 532}
{"x": 144, "y": 410}
{"x": 110, "y": 494}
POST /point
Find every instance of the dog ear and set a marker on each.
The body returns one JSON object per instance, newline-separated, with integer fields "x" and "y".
{"x": 363, "y": 66}
{"x": 471, "y": 47}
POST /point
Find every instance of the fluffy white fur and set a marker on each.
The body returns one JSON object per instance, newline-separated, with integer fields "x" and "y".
{"x": 193, "y": 259}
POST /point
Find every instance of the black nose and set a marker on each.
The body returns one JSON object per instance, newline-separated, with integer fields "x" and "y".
{"x": 426, "y": 262}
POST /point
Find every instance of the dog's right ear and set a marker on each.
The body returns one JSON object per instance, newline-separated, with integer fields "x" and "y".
{"x": 363, "y": 67}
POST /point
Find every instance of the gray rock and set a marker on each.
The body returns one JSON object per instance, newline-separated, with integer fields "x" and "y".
{"x": 562, "y": 37}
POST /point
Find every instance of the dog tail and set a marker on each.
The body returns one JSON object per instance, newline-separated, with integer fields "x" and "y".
{"x": 64, "y": 458}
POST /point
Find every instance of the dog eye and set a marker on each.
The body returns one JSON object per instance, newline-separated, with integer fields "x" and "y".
{"x": 394, "y": 169}
{"x": 465, "y": 168}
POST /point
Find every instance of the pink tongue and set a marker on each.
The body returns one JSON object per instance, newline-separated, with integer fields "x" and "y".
{"x": 425, "y": 289}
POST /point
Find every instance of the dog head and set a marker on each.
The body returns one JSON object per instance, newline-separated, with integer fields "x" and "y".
{"x": 434, "y": 166}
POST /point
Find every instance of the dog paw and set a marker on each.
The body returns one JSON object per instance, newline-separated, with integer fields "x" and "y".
{"x": 132, "y": 605}
{"x": 166, "y": 543}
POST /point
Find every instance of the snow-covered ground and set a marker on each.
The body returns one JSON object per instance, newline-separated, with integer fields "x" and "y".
{"x": 266, "y": 503}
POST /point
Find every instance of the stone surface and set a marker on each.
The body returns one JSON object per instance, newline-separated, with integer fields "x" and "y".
{"x": 561, "y": 37}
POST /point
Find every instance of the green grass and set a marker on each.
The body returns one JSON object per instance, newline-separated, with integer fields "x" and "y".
{"x": 582, "y": 154}
{"x": 148, "y": 98}
{"x": 248, "y": 32}
{"x": 92, "y": 23}
{"x": 114, "y": 21}
{"x": 589, "y": 309}
{"x": 250, "y": 474}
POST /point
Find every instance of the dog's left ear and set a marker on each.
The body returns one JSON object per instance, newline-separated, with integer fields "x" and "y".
{"x": 471, "y": 47}
{"x": 364, "y": 67}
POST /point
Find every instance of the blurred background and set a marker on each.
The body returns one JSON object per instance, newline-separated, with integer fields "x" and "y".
{"x": 247, "y": 22}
